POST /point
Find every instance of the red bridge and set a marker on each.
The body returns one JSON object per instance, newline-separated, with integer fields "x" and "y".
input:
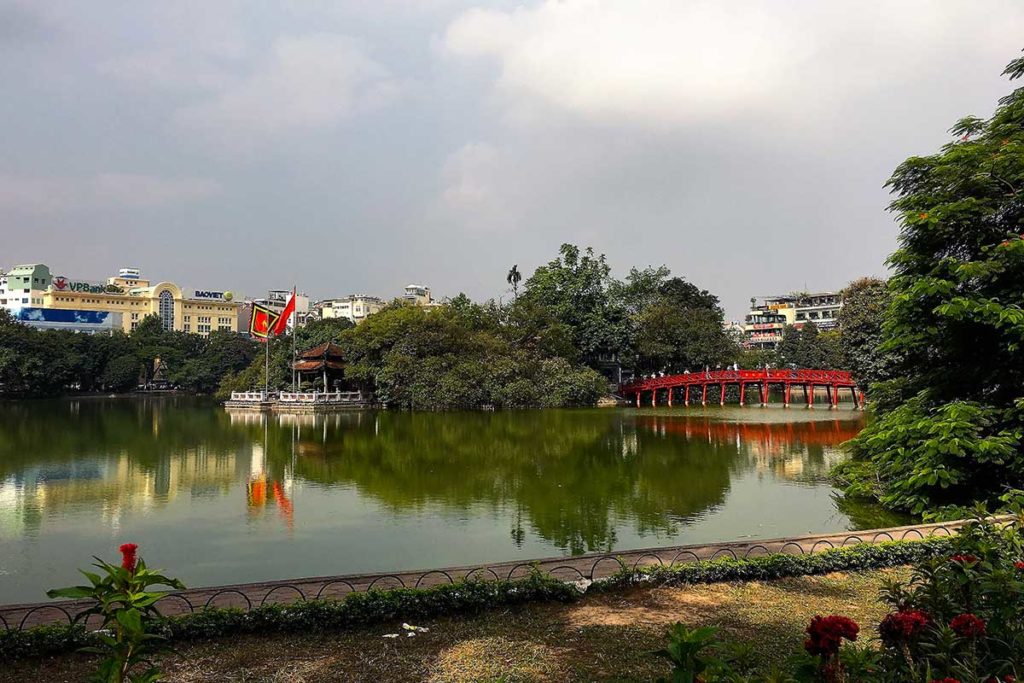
{"x": 671, "y": 386}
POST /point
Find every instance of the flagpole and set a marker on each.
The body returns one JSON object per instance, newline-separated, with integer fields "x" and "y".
{"x": 295, "y": 310}
{"x": 266, "y": 371}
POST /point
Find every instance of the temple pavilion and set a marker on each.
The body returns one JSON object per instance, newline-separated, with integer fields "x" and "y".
{"x": 324, "y": 361}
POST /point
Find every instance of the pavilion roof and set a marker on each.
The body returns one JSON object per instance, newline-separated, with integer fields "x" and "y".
{"x": 328, "y": 350}
{"x": 317, "y": 365}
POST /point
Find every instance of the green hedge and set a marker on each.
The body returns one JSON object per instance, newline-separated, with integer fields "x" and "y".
{"x": 779, "y": 565}
{"x": 412, "y": 604}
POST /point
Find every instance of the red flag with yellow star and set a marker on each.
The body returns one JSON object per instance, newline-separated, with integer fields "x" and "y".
{"x": 261, "y": 322}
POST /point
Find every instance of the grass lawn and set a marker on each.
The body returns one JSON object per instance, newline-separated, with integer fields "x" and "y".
{"x": 600, "y": 638}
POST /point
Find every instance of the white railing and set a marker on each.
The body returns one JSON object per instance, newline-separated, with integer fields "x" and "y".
{"x": 321, "y": 397}
{"x": 249, "y": 396}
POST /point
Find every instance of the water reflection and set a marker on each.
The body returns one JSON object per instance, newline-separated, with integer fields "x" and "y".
{"x": 574, "y": 481}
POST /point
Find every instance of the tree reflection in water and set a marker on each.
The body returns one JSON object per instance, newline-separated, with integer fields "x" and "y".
{"x": 570, "y": 477}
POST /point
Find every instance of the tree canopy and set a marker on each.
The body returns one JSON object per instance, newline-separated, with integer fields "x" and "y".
{"x": 50, "y": 362}
{"x": 953, "y": 410}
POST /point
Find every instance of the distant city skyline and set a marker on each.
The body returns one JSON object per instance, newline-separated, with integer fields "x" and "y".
{"x": 359, "y": 147}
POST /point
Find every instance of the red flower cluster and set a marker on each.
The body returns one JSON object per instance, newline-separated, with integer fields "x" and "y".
{"x": 902, "y": 626}
{"x": 968, "y": 626}
{"x": 1019, "y": 566}
{"x": 128, "y": 556}
{"x": 1008, "y": 678}
{"x": 963, "y": 559}
{"x": 825, "y": 634}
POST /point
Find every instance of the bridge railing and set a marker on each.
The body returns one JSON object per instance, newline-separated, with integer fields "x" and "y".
{"x": 735, "y": 376}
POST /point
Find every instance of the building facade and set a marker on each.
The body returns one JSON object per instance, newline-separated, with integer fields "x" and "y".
{"x": 356, "y": 307}
{"x": 767, "y": 319}
{"x": 419, "y": 295}
{"x": 24, "y": 286}
{"x": 38, "y": 298}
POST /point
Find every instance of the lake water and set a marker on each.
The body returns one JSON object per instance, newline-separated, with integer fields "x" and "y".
{"x": 216, "y": 498}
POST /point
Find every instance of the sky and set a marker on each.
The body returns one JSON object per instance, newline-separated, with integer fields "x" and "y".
{"x": 356, "y": 147}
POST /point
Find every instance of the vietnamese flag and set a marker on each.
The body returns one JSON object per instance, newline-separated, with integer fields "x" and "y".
{"x": 282, "y": 321}
{"x": 262, "y": 322}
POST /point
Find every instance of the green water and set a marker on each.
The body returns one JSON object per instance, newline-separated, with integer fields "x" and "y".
{"x": 217, "y": 498}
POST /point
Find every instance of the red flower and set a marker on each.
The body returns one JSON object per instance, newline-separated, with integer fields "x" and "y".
{"x": 922, "y": 215}
{"x": 968, "y": 626}
{"x": 1019, "y": 566}
{"x": 825, "y": 634}
{"x": 963, "y": 559}
{"x": 903, "y": 626}
{"x": 128, "y": 556}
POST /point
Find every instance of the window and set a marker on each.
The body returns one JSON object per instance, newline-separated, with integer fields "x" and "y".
{"x": 166, "y": 309}
{"x": 187, "y": 327}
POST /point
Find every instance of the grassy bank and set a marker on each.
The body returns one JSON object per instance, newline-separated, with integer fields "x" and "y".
{"x": 605, "y": 637}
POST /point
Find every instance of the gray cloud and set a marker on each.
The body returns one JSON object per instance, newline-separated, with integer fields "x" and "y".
{"x": 357, "y": 146}
{"x": 20, "y": 25}
{"x": 103, "y": 191}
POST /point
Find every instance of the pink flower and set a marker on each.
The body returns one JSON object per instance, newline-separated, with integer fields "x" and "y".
{"x": 968, "y": 626}
{"x": 128, "y": 556}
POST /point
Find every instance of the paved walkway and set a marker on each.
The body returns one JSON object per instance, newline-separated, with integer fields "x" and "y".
{"x": 572, "y": 568}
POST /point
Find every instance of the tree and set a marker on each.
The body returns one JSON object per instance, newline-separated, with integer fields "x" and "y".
{"x": 121, "y": 373}
{"x": 513, "y": 278}
{"x": 574, "y": 288}
{"x": 864, "y": 305}
{"x": 808, "y": 347}
{"x": 950, "y": 429}
{"x": 673, "y": 325}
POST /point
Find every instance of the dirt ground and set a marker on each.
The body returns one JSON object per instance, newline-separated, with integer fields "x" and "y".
{"x": 600, "y": 638}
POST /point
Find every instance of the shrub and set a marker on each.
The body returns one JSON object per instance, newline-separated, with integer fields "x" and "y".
{"x": 969, "y": 608}
{"x": 125, "y": 602}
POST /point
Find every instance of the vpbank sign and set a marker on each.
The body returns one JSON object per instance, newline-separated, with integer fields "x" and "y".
{"x": 210, "y": 294}
{"x": 62, "y": 284}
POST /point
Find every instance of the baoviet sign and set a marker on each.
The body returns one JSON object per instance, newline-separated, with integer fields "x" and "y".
{"x": 208, "y": 294}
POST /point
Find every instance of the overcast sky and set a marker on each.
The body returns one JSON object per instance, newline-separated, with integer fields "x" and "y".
{"x": 352, "y": 146}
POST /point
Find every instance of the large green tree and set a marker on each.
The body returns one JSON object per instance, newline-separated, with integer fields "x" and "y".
{"x": 672, "y": 324}
{"x": 951, "y": 422}
{"x": 865, "y": 302}
{"x": 574, "y": 288}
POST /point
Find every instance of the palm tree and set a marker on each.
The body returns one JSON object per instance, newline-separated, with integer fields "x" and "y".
{"x": 514, "y": 276}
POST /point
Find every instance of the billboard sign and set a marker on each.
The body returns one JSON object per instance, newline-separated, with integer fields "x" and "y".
{"x": 211, "y": 294}
{"x": 62, "y": 284}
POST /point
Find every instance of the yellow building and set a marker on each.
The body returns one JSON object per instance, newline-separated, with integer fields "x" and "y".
{"x": 193, "y": 311}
